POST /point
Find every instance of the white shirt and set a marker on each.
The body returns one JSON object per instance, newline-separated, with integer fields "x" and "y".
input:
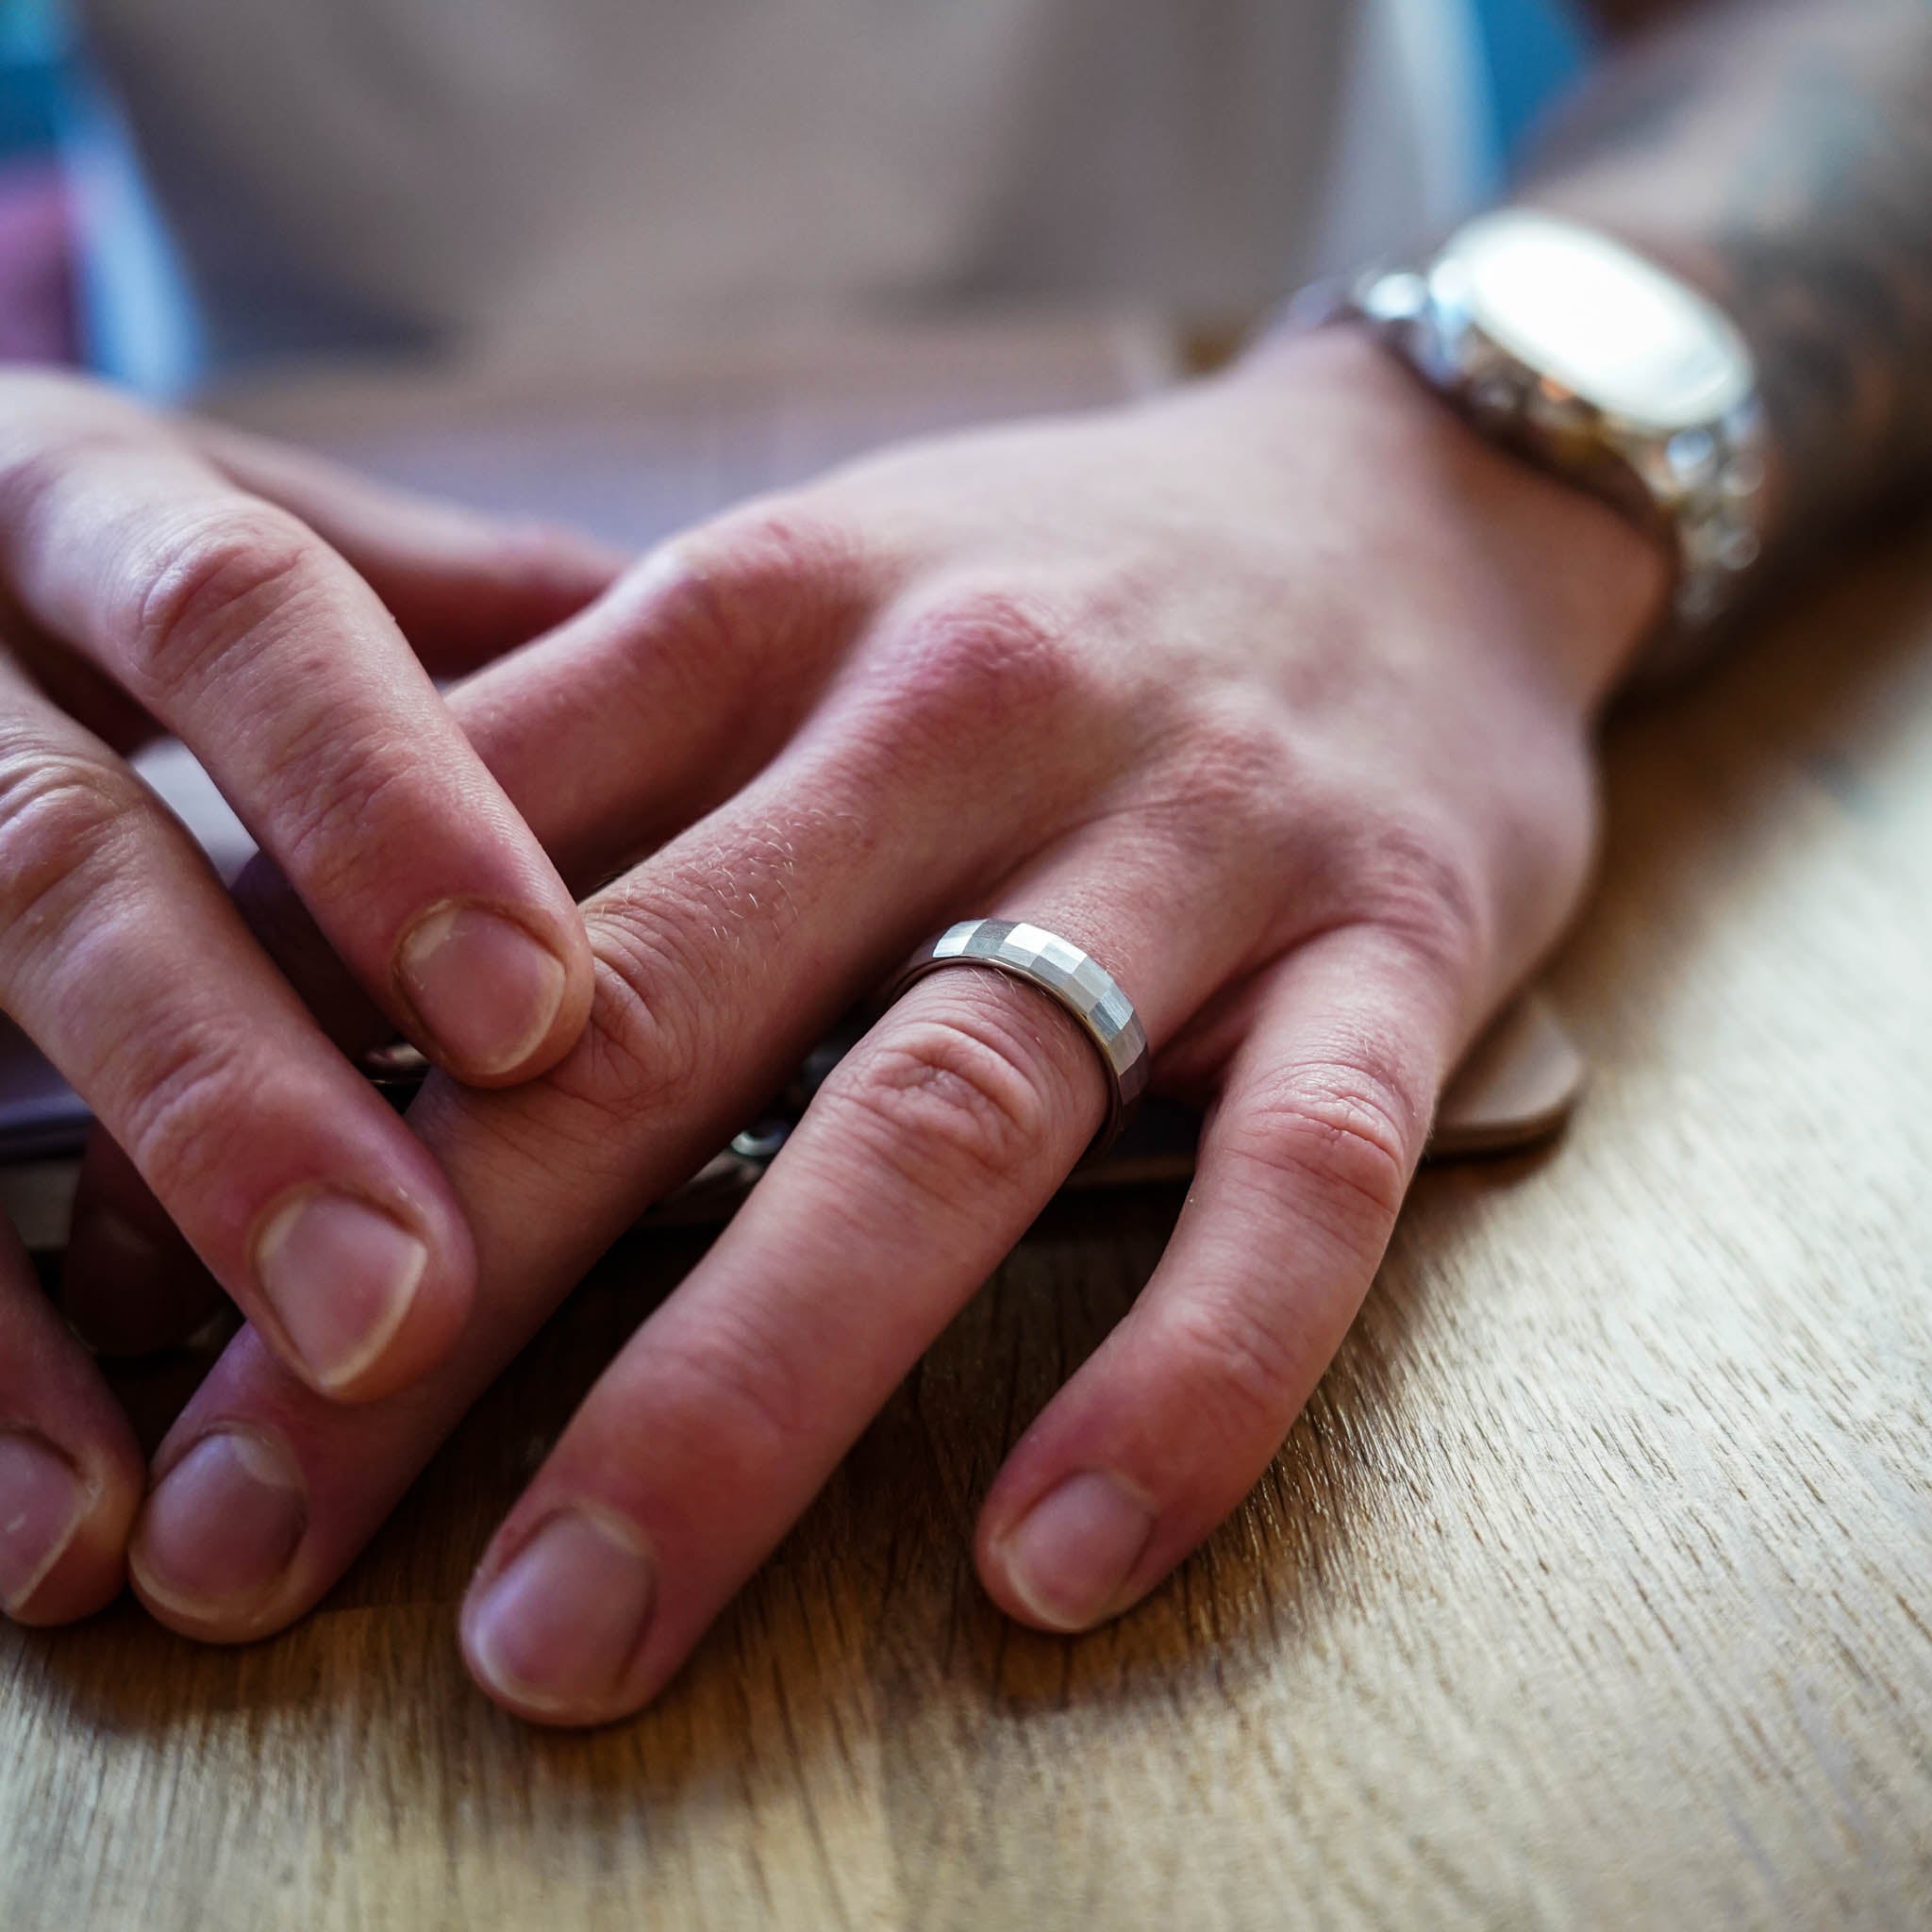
{"x": 525, "y": 179}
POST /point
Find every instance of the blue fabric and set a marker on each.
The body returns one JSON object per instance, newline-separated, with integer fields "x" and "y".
{"x": 33, "y": 71}
{"x": 1532, "y": 50}
{"x": 141, "y": 325}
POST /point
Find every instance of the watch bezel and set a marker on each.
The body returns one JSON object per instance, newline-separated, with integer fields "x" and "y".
{"x": 1479, "y": 276}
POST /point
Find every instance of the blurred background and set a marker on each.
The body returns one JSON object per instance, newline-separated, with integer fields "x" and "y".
{"x": 91, "y": 273}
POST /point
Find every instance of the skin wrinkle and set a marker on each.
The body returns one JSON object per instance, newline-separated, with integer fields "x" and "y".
{"x": 125, "y": 849}
{"x": 63, "y": 818}
{"x": 176, "y": 1128}
{"x": 665, "y": 942}
{"x": 185, "y": 607}
{"x": 43, "y": 463}
{"x": 964, "y": 1086}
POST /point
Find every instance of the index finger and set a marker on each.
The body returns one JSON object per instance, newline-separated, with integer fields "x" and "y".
{"x": 237, "y": 628}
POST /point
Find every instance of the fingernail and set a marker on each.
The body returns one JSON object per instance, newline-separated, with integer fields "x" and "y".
{"x": 486, "y": 990}
{"x": 1069, "y": 1557}
{"x": 41, "y": 1503}
{"x": 222, "y": 1524}
{"x": 340, "y": 1275}
{"x": 555, "y": 1630}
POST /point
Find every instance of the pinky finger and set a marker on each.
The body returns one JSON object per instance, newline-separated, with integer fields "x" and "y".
{"x": 1179, "y": 1413}
{"x": 70, "y": 1475}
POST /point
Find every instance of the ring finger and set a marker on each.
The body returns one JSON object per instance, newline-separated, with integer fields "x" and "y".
{"x": 920, "y": 1162}
{"x": 722, "y": 960}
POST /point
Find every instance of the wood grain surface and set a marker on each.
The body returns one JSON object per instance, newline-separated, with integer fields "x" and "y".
{"x": 1595, "y": 1587}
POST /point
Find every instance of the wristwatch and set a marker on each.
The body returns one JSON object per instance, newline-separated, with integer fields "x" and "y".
{"x": 1579, "y": 353}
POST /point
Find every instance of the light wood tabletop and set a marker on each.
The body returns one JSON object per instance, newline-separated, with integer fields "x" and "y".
{"x": 1593, "y": 1589}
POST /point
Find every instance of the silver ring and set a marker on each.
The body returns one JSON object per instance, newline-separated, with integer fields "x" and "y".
{"x": 1074, "y": 979}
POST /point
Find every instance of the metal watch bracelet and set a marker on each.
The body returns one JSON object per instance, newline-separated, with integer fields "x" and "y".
{"x": 1701, "y": 488}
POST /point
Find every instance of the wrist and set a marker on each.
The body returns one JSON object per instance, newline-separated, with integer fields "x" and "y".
{"x": 1590, "y": 582}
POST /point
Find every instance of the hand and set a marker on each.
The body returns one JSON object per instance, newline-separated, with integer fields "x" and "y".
{"x": 163, "y": 576}
{"x": 1274, "y": 694}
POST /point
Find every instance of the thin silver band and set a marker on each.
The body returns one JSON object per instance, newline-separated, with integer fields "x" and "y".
{"x": 1073, "y": 978}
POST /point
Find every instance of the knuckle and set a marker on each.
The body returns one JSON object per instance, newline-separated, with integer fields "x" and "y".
{"x": 640, "y": 1051}
{"x": 736, "y": 619}
{"x": 1418, "y": 887}
{"x": 36, "y": 474}
{"x": 776, "y": 547}
{"x": 983, "y": 665}
{"x": 1230, "y": 783}
{"x": 197, "y": 591}
{"x": 1344, "y": 1134}
{"x": 735, "y": 1389}
{"x": 677, "y": 949}
{"x": 745, "y": 588}
{"x": 62, "y": 817}
{"x": 349, "y": 806}
{"x": 185, "y": 1100}
{"x": 960, "y": 1089}
{"x": 53, "y": 428}
{"x": 1242, "y": 1372}
{"x": 1240, "y": 752}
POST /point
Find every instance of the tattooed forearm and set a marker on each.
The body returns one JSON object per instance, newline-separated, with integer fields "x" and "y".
{"x": 1781, "y": 153}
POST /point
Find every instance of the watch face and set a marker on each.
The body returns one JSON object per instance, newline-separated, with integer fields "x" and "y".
{"x": 1618, "y": 332}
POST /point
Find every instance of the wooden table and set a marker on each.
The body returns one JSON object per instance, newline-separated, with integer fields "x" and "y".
{"x": 1595, "y": 1587}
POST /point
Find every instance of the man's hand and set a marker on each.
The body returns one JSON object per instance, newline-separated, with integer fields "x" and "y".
{"x": 157, "y": 576}
{"x": 1275, "y": 695}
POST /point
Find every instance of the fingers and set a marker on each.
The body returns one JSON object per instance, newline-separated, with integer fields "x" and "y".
{"x": 122, "y": 958}
{"x": 721, "y": 961}
{"x": 630, "y": 721}
{"x": 1175, "y": 1416}
{"x": 920, "y": 1162}
{"x": 675, "y": 689}
{"x": 925, "y": 1156}
{"x": 463, "y": 586}
{"x": 71, "y": 1473}
{"x": 232, "y": 624}
{"x": 669, "y": 693}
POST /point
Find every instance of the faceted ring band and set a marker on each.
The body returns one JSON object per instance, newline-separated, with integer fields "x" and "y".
{"x": 1073, "y": 978}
